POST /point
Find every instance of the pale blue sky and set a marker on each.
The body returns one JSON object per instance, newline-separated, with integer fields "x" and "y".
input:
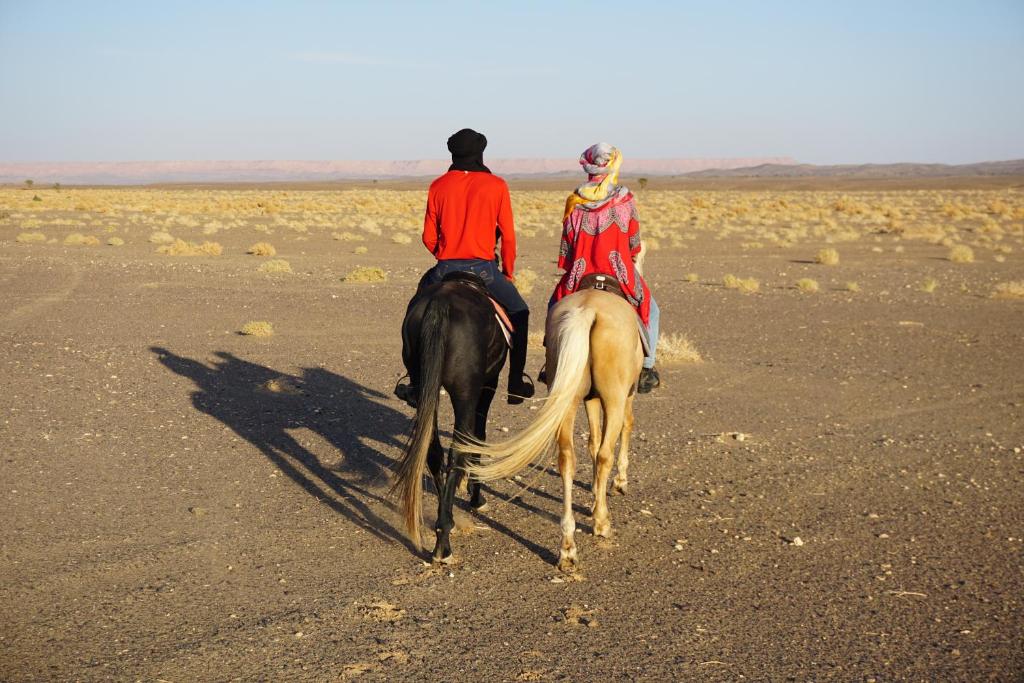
{"x": 824, "y": 82}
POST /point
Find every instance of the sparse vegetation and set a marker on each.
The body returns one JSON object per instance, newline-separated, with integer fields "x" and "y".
{"x": 366, "y": 274}
{"x": 961, "y": 253}
{"x": 1009, "y": 290}
{"x": 746, "y": 285}
{"x": 827, "y": 257}
{"x": 276, "y": 265}
{"x": 691, "y": 277}
{"x": 78, "y": 239}
{"x": 675, "y": 349}
{"x": 262, "y": 249}
{"x": 852, "y": 287}
{"x": 807, "y": 285}
{"x": 180, "y": 247}
{"x": 30, "y": 237}
{"x": 161, "y": 237}
{"x": 929, "y": 285}
{"x": 115, "y": 242}
{"x": 257, "y": 328}
{"x": 401, "y": 238}
{"x": 525, "y": 280}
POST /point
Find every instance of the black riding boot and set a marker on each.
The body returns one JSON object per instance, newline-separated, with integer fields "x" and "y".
{"x": 518, "y": 386}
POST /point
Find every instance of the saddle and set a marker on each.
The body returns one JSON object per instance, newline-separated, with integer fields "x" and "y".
{"x": 475, "y": 282}
{"x": 607, "y": 283}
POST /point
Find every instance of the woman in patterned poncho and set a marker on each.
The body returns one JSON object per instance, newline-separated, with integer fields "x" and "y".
{"x": 601, "y": 234}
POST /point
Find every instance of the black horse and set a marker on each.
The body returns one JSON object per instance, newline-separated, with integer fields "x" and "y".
{"x": 451, "y": 339}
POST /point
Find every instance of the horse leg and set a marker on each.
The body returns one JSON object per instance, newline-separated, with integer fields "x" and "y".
{"x": 476, "y": 500}
{"x": 613, "y": 418}
{"x": 456, "y": 470}
{"x": 435, "y": 462}
{"x": 567, "y": 557}
{"x": 594, "y": 419}
{"x": 621, "y": 480}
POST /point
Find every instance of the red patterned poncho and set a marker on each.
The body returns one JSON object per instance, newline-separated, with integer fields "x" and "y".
{"x": 604, "y": 240}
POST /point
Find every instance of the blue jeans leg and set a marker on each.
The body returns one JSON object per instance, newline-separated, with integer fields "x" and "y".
{"x": 652, "y": 332}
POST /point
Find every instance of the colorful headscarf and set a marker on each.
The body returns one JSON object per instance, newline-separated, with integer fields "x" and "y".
{"x": 601, "y": 162}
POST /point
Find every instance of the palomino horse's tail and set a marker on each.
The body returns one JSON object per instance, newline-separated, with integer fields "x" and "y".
{"x": 573, "y": 334}
{"x": 409, "y": 476}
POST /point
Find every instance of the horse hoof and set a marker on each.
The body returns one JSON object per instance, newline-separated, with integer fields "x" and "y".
{"x": 446, "y": 560}
{"x": 618, "y": 489}
{"x": 568, "y": 565}
{"x": 482, "y": 507}
{"x": 603, "y": 529}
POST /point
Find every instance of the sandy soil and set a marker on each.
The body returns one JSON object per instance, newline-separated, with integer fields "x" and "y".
{"x": 168, "y": 517}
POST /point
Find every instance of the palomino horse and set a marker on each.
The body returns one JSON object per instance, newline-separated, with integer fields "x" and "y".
{"x": 452, "y": 340}
{"x": 594, "y": 354}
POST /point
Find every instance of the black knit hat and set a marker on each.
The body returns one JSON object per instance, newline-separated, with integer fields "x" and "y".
{"x": 467, "y": 148}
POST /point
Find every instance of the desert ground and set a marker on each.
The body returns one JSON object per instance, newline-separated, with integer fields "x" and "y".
{"x": 829, "y": 484}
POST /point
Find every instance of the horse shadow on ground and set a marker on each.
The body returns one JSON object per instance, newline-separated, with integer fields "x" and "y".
{"x": 262, "y": 405}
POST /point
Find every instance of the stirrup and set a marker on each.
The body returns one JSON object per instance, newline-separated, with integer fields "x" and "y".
{"x": 526, "y": 390}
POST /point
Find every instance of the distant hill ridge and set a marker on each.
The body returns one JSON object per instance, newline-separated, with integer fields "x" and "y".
{"x": 902, "y": 170}
{"x": 140, "y": 172}
{"x": 144, "y": 172}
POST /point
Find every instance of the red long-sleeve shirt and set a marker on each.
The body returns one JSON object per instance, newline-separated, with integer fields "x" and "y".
{"x": 463, "y": 210}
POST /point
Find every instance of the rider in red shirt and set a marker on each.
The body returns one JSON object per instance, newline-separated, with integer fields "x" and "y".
{"x": 468, "y": 209}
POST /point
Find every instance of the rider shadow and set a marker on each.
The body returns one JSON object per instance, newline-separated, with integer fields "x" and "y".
{"x": 261, "y": 405}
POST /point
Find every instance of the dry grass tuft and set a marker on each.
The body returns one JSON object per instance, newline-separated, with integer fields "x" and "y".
{"x": 1009, "y": 290}
{"x": 348, "y": 237}
{"x": 675, "y": 349}
{"x": 691, "y": 277}
{"x": 262, "y": 249}
{"x": 929, "y": 285}
{"x": 257, "y": 328}
{"x": 180, "y": 247}
{"x": 30, "y": 237}
{"x": 161, "y": 238}
{"x": 115, "y": 242}
{"x": 525, "y": 280}
{"x": 852, "y": 287}
{"x": 277, "y": 265}
{"x": 366, "y": 274}
{"x": 807, "y": 285}
{"x": 827, "y": 257}
{"x": 401, "y": 238}
{"x": 360, "y": 250}
{"x": 78, "y": 239}
{"x": 961, "y": 253}
{"x": 746, "y": 285}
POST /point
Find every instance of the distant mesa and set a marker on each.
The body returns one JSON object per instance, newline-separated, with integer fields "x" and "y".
{"x": 144, "y": 172}
{"x": 147, "y": 172}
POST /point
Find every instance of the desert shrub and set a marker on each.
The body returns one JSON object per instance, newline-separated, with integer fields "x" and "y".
{"x": 807, "y": 285}
{"x": 78, "y": 239}
{"x": 161, "y": 237}
{"x": 691, "y": 277}
{"x": 674, "y": 349}
{"x": 827, "y": 257}
{"x": 401, "y": 238}
{"x": 30, "y": 237}
{"x": 961, "y": 253}
{"x": 276, "y": 265}
{"x": 348, "y": 237}
{"x": 852, "y": 287}
{"x": 115, "y": 242}
{"x": 1009, "y": 290}
{"x": 366, "y": 274}
{"x": 360, "y": 250}
{"x": 746, "y": 285}
{"x": 262, "y": 249}
{"x": 525, "y": 280}
{"x": 257, "y": 328}
{"x": 929, "y": 285}
{"x": 180, "y": 247}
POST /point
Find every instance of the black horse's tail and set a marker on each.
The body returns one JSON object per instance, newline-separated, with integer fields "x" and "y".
{"x": 409, "y": 477}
